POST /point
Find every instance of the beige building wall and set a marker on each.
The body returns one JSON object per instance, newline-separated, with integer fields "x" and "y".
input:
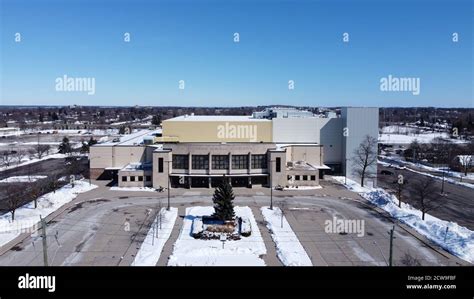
{"x": 136, "y": 174}
{"x": 218, "y": 131}
{"x": 160, "y": 179}
{"x": 100, "y": 157}
{"x": 277, "y": 178}
{"x": 311, "y": 154}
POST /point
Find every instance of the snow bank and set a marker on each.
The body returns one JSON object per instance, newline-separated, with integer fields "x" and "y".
{"x": 27, "y": 217}
{"x": 289, "y": 249}
{"x": 142, "y": 189}
{"x": 290, "y": 188}
{"x": 458, "y": 240}
{"x": 188, "y": 251}
{"x": 150, "y": 250}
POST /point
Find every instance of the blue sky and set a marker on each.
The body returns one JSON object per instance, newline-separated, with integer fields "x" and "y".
{"x": 279, "y": 41}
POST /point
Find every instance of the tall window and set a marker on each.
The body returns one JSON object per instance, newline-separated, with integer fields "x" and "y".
{"x": 259, "y": 161}
{"x": 278, "y": 164}
{"x": 180, "y": 162}
{"x": 160, "y": 164}
{"x": 240, "y": 161}
{"x": 220, "y": 162}
{"x": 200, "y": 162}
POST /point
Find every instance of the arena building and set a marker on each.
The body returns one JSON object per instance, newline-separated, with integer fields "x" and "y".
{"x": 275, "y": 147}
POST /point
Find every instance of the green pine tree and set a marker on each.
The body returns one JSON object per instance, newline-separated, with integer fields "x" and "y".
{"x": 223, "y": 206}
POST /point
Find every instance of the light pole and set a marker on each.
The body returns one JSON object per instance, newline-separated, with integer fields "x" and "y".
{"x": 168, "y": 207}
{"x": 271, "y": 185}
{"x": 442, "y": 184}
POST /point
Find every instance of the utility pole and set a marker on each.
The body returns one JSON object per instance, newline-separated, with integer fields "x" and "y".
{"x": 45, "y": 243}
{"x": 391, "y": 246}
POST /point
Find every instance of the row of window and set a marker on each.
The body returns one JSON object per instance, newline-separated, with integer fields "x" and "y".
{"x": 218, "y": 162}
{"x": 138, "y": 178}
{"x": 303, "y": 177}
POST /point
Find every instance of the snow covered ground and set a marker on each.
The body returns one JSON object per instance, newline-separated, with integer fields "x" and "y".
{"x": 449, "y": 235}
{"x": 150, "y": 250}
{"x": 142, "y": 189}
{"x": 23, "y": 179}
{"x": 389, "y": 138}
{"x": 291, "y": 188}
{"x": 26, "y": 217}
{"x": 448, "y": 174}
{"x": 195, "y": 252}
{"x": 289, "y": 249}
{"x": 405, "y": 135}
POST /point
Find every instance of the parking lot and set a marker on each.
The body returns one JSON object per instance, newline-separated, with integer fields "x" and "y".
{"x": 90, "y": 230}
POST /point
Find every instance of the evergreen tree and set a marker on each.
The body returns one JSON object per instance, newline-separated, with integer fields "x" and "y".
{"x": 65, "y": 146}
{"x": 156, "y": 120}
{"x": 223, "y": 206}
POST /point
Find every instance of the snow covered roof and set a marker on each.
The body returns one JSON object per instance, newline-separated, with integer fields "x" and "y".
{"x": 131, "y": 139}
{"x": 137, "y": 166}
{"x": 215, "y": 118}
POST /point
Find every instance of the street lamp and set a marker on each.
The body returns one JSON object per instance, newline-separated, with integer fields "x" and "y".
{"x": 271, "y": 185}
{"x": 168, "y": 207}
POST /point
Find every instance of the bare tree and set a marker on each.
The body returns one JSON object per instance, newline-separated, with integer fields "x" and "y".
{"x": 35, "y": 191}
{"x": 7, "y": 158}
{"x": 424, "y": 189}
{"x": 14, "y": 198}
{"x": 53, "y": 183}
{"x": 408, "y": 260}
{"x": 465, "y": 162}
{"x": 19, "y": 156}
{"x": 42, "y": 150}
{"x": 364, "y": 157}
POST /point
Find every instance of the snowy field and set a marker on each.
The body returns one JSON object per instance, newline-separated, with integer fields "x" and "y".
{"x": 150, "y": 250}
{"x": 449, "y": 235}
{"x": 421, "y": 138}
{"x": 194, "y": 252}
{"x": 406, "y": 135}
{"x": 23, "y": 179}
{"x": 142, "y": 189}
{"x": 27, "y": 217}
{"x": 289, "y": 249}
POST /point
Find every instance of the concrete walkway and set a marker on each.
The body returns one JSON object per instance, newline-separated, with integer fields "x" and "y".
{"x": 168, "y": 248}
{"x": 270, "y": 258}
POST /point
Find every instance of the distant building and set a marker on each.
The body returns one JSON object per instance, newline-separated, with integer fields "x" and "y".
{"x": 278, "y": 146}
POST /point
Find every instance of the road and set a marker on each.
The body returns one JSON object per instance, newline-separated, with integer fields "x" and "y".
{"x": 49, "y": 167}
{"x": 457, "y": 203}
{"x": 90, "y": 231}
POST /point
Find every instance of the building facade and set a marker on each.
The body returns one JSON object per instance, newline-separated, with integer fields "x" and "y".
{"x": 272, "y": 148}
